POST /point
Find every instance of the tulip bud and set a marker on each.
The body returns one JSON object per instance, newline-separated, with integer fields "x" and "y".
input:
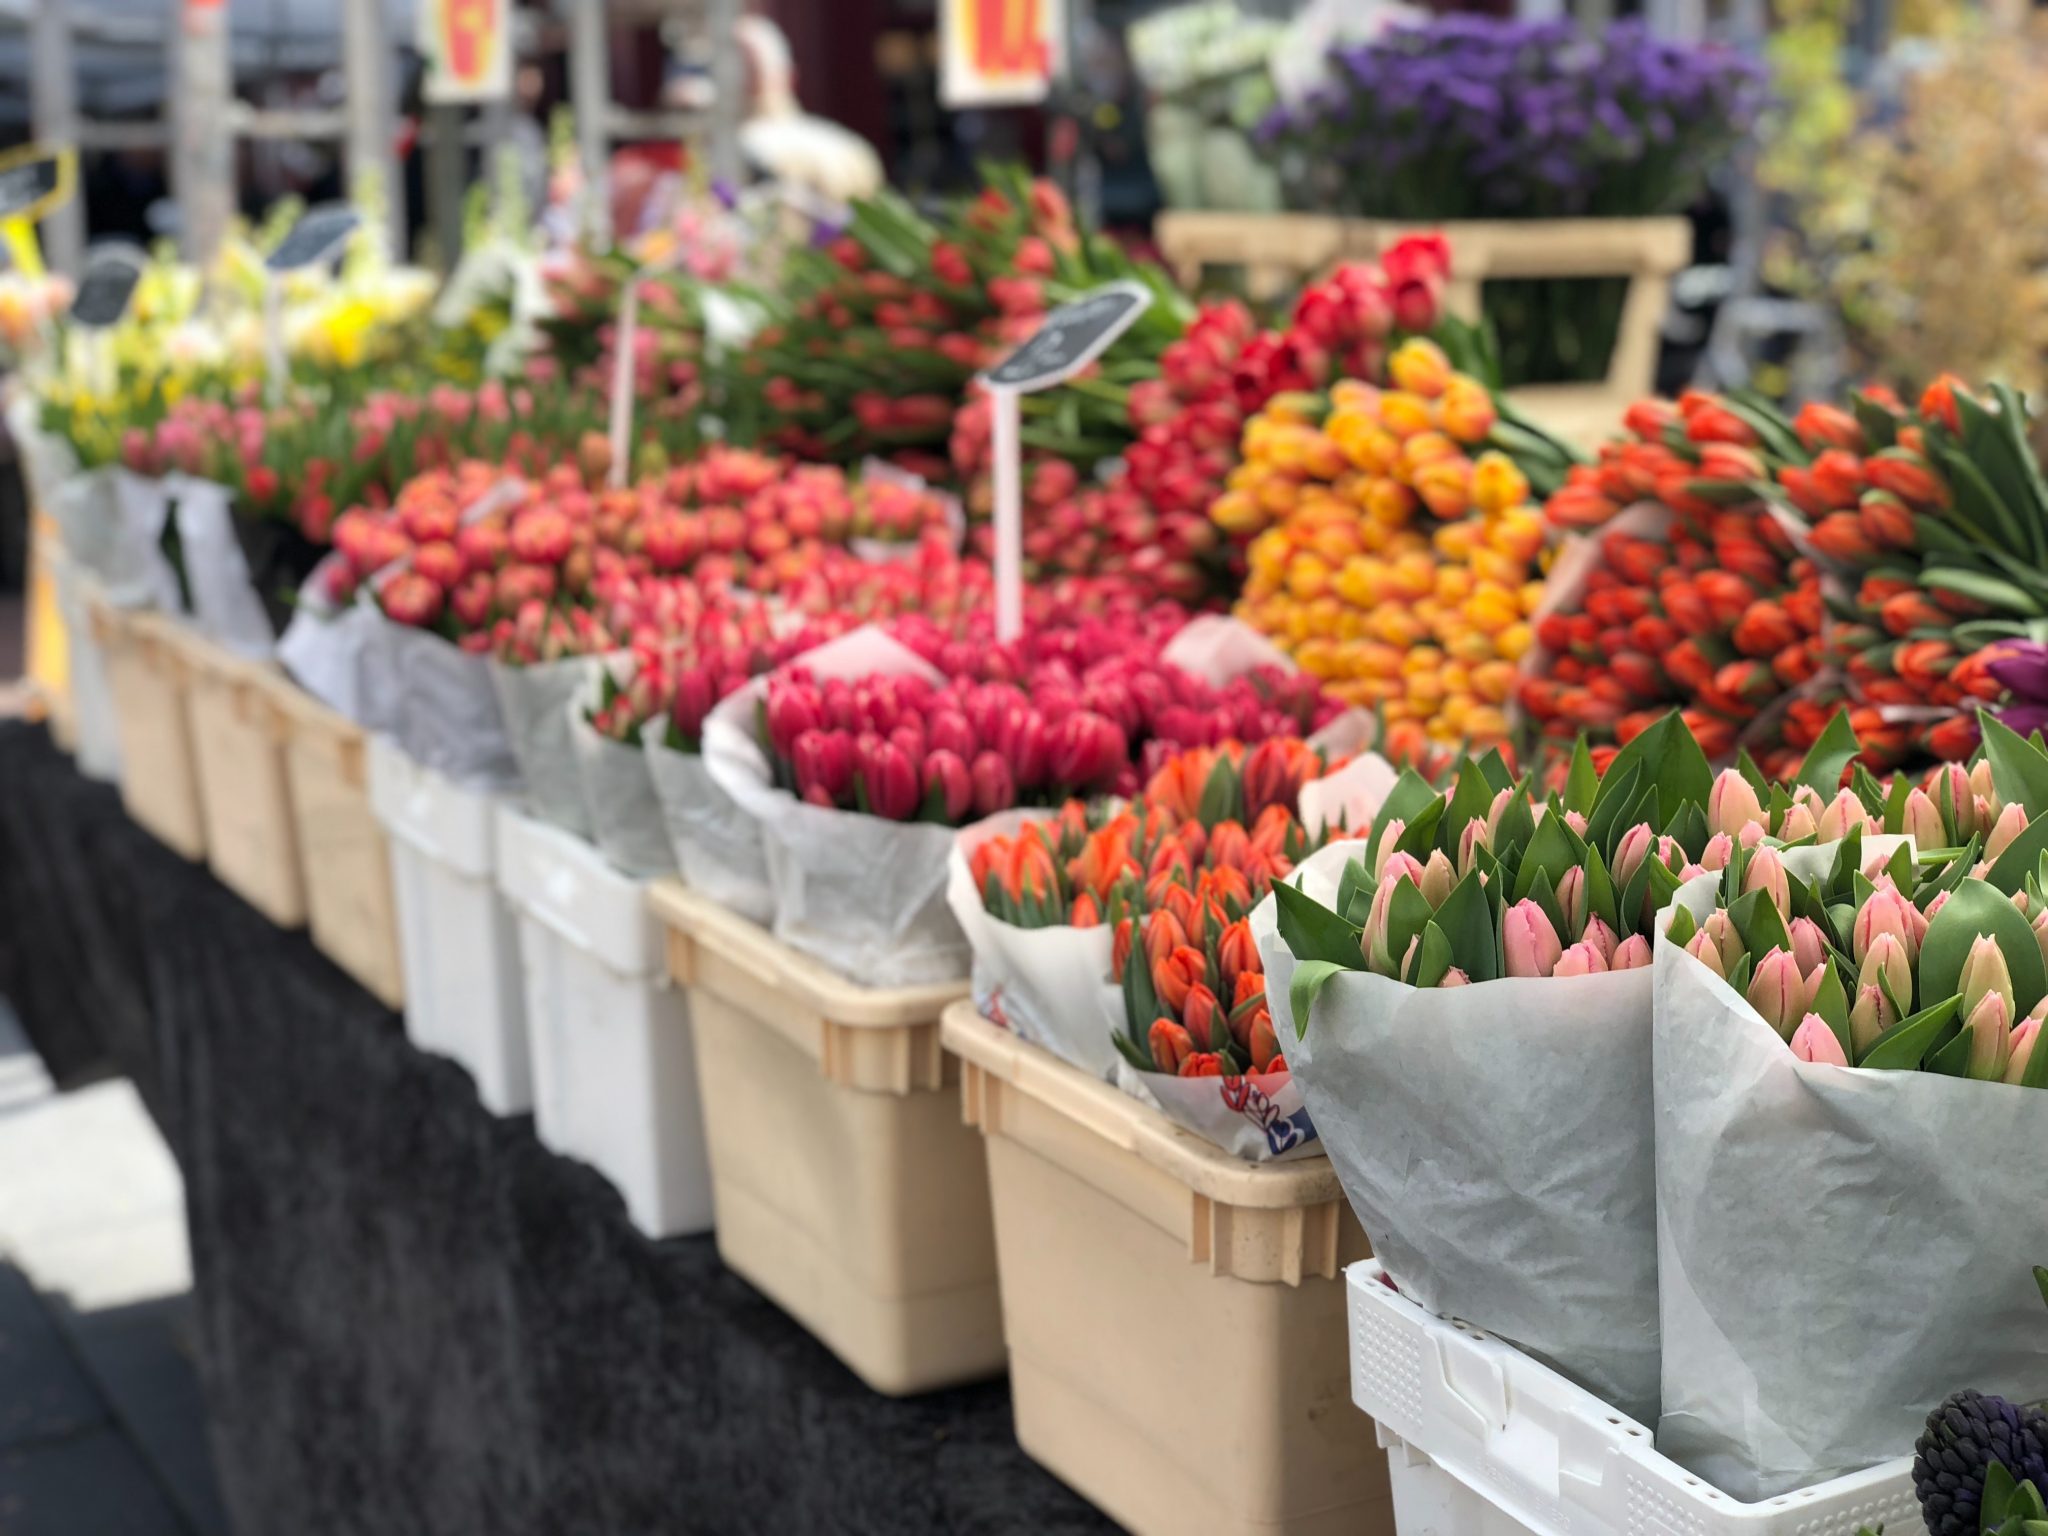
{"x": 1778, "y": 992}
{"x": 1455, "y": 978}
{"x": 1720, "y": 930}
{"x": 1981, "y": 784}
{"x": 1265, "y": 1043}
{"x": 1601, "y": 937}
{"x": 890, "y": 781}
{"x": 1871, "y": 1017}
{"x": 2021, "y": 1050}
{"x": 2011, "y": 822}
{"x": 1437, "y": 878}
{"x": 946, "y": 776}
{"x": 1719, "y": 850}
{"x": 1886, "y": 964}
{"x": 1582, "y": 959}
{"x": 1198, "y": 1013}
{"x": 1576, "y": 821}
{"x": 1470, "y": 841}
{"x": 1885, "y": 912}
{"x": 1808, "y": 947}
{"x": 1950, "y": 783}
{"x": 1571, "y": 900}
{"x": 1398, "y": 867}
{"x": 1630, "y": 852}
{"x": 1842, "y": 813}
{"x": 1528, "y": 941}
{"x": 994, "y": 788}
{"x": 1495, "y": 811}
{"x": 1923, "y": 821}
{"x": 1813, "y": 1041}
{"x": 1985, "y": 971}
{"x": 1390, "y": 834}
{"x": 1766, "y": 873}
{"x": 1798, "y": 824}
{"x": 1631, "y": 954}
{"x": 1701, "y": 947}
{"x": 1171, "y": 1045}
{"x": 1732, "y": 803}
{"x": 2041, "y": 934}
{"x": 1989, "y": 1027}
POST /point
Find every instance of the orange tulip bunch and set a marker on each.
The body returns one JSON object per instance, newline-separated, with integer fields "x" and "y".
{"x": 1391, "y": 553}
{"x": 1175, "y": 873}
{"x": 1706, "y": 603}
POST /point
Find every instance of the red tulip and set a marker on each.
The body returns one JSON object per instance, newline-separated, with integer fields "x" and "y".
{"x": 946, "y": 780}
{"x": 994, "y": 788}
{"x": 823, "y": 762}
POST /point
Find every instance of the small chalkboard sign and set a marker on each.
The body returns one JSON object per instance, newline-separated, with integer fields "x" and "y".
{"x": 316, "y": 237}
{"x": 1071, "y": 338}
{"x": 104, "y": 292}
{"x": 31, "y": 184}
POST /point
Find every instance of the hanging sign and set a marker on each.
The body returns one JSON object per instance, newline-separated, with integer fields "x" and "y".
{"x": 34, "y": 182}
{"x": 1070, "y": 338}
{"x": 317, "y": 237}
{"x": 999, "y": 53}
{"x": 468, "y": 48}
{"x": 108, "y": 286}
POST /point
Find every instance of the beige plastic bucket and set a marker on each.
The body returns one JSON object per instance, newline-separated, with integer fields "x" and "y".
{"x": 344, "y": 856}
{"x": 148, "y": 678}
{"x": 1176, "y": 1317}
{"x": 251, "y": 841}
{"x": 845, "y": 1186}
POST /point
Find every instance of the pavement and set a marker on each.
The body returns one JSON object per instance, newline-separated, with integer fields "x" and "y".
{"x": 102, "y": 1427}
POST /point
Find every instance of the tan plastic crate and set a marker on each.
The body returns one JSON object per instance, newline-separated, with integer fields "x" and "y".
{"x": 148, "y": 678}
{"x": 344, "y": 855}
{"x": 1176, "y": 1317}
{"x": 845, "y": 1186}
{"x": 251, "y": 840}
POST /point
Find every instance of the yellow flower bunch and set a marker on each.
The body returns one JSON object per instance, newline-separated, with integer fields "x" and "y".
{"x": 1394, "y": 557}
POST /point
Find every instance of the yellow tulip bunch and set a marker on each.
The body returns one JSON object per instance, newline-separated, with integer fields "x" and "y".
{"x": 1393, "y": 557}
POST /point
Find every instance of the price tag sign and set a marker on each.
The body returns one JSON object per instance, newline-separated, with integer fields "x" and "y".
{"x": 108, "y": 286}
{"x": 34, "y": 182}
{"x": 1071, "y": 338}
{"x": 317, "y": 237}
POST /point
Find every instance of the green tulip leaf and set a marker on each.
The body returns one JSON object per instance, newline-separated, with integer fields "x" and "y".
{"x": 1822, "y": 770}
{"x": 1355, "y": 881}
{"x": 1974, "y": 908}
{"x": 1952, "y": 1059}
{"x": 1582, "y": 783}
{"x": 1433, "y": 960}
{"x": 1313, "y": 931}
{"x": 1498, "y": 775}
{"x": 1408, "y": 912}
{"x": 1739, "y": 977}
{"x": 1419, "y": 839}
{"x": 1907, "y": 1043}
{"x": 1471, "y": 799}
{"x": 1409, "y": 796}
{"x": 1604, "y": 827}
{"x": 1222, "y": 795}
{"x": 1600, "y": 891}
{"x": 1550, "y": 853}
{"x": 1310, "y": 977}
{"x": 2019, "y": 769}
{"x": 1682, "y": 927}
{"x": 1831, "y": 1002}
{"x": 1466, "y": 918}
{"x": 1759, "y": 923}
{"x": 1688, "y": 828}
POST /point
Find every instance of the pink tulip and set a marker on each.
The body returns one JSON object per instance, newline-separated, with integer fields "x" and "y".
{"x": 823, "y": 762}
{"x": 793, "y": 708}
{"x": 1437, "y": 878}
{"x": 1813, "y": 1041}
{"x": 1808, "y": 947}
{"x": 1571, "y": 899}
{"x": 1495, "y": 811}
{"x": 1886, "y": 964}
{"x": 1777, "y": 991}
{"x": 1455, "y": 978}
{"x": 1631, "y": 954}
{"x": 1949, "y": 783}
{"x": 1885, "y": 912}
{"x": 2040, "y": 926}
{"x": 1630, "y": 852}
{"x": 1087, "y": 751}
{"x": 1985, "y": 971}
{"x": 890, "y": 782}
{"x": 1582, "y": 959}
{"x": 1766, "y": 873}
{"x": 948, "y": 730}
{"x": 994, "y": 788}
{"x": 946, "y": 776}
{"x": 1799, "y": 824}
{"x": 1870, "y": 1017}
{"x": 1601, "y": 937}
{"x": 1719, "y": 850}
{"x": 1922, "y": 820}
{"x": 2021, "y": 1050}
{"x": 1470, "y": 841}
{"x": 1732, "y": 803}
{"x": 1390, "y": 834}
{"x": 1703, "y": 948}
{"x": 1576, "y": 821}
{"x": 1842, "y": 813}
{"x": 2011, "y": 822}
{"x": 1989, "y": 1027}
{"x": 1398, "y": 866}
{"x": 1528, "y": 941}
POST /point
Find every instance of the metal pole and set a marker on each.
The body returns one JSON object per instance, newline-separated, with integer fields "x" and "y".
{"x": 53, "y": 107}
{"x": 372, "y": 126}
{"x": 447, "y": 160}
{"x": 203, "y": 154}
{"x": 590, "y": 95}
{"x": 728, "y": 81}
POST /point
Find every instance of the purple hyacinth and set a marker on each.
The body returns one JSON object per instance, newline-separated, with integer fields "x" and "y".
{"x": 2022, "y": 666}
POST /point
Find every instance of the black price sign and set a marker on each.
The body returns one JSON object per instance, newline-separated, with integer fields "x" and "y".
{"x": 1071, "y": 338}
{"x": 33, "y": 181}
{"x": 317, "y": 237}
{"x": 104, "y": 292}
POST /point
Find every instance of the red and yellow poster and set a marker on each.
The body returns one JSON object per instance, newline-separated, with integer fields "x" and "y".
{"x": 997, "y": 53}
{"x": 468, "y": 48}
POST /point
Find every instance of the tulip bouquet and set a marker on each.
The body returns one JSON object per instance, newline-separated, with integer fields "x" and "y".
{"x": 1392, "y": 557}
{"x": 1478, "y": 974}
{"x": 1867, "y": 1016}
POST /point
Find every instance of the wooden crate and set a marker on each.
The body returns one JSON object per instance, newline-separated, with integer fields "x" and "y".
{"x": 251, "y": 839}
{"x": 148, "y": 678}
{"x": 1278, "y": 251}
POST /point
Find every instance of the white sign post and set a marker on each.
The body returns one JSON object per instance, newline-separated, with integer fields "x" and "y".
{"x": 1071, "y": 338}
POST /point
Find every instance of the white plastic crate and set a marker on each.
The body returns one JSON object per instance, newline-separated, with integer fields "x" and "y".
{"x": 614, "y": 1059}
{"x": 456, "y": 936}
{"x": 1481, "y": 1440}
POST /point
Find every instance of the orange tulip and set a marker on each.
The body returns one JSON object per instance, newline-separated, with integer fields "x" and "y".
{"x": 1237, "y": 958}
{"x": 1170, "y": 1044}
{"x": 1178, "y": 974}
{"x": 1199, "y": 1013}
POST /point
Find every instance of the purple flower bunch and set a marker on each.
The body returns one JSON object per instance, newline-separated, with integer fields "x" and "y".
{"x": 1472, "y": 117}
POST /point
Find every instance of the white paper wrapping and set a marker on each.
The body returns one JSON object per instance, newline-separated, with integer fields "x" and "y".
{"x": 535, "y": 704}
{"x": 224, "y": 599}
{"x": 1839, "y": 1249}
{"x": 625, "y": 818}
{"x": 47, "y": 460}
{"x": 865, "y": 896}
{"x": 1260, "y": 1117}
{"x": 715, "y": 844}
{"x": 105, "y": 533}
{"x": 322, "y": 647}
{"x": 1496, "y": 1143}
{"x": 1043, "y": 983}
{"x": 1217, "y": 648}
{"x": 436, "y": 701}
